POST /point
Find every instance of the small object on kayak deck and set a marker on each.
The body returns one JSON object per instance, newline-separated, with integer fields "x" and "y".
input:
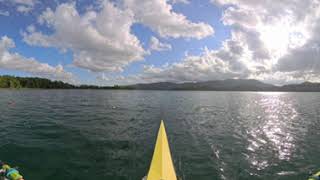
{"x": 9, "y": 173}
{"x": 161, "y": 167}
{"x": 315, "y": 176}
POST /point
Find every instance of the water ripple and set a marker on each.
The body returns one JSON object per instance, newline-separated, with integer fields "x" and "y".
{"x": 111, "y": 134}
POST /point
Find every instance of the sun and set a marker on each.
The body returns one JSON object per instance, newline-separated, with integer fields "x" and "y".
{"x": 282, "y": 36}
{"x": 275, "y": 37}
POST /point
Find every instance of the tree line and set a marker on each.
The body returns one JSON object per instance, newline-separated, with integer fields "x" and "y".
{"x": 32, "y": 82}
{"x": 7, "y": 81}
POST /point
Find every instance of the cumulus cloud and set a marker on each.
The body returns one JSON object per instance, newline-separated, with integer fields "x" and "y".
{"x": 25, "y": 2}
{"x": 304, "y": 60}
{"x": 4, "y": 13}
{"x": 279, "y": 34}
{"x": 180, "y": 1}
{"x": 204, "y": 67}
{"x": 159, "y": 16}
{"x": 156, "y": 45}
{"x": 267, "y": 38}
{"x": 22, "y": 6}
{"x": 24, "y": 9}
{"x": 100, "y": 41}
{"x": 14, "y": 61}
{"x": 211, "y": 64}
{"x": 301, "y": 59}
{"x": 273, "y": 41}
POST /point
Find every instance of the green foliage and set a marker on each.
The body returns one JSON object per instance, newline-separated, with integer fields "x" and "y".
{"x": 9, "y": 82}
{"x": 41, "y": 83}
{"x": 26, "y": 82}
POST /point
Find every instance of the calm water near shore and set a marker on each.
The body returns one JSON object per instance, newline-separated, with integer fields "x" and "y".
{"x": 109, "y": 135}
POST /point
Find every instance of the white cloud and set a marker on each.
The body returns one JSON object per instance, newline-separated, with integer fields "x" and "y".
{"x": 14, "y": 61}
{"x": 207, "y": 66}
{"x": 24, "y": 9}
{"x": 23, "y": 6}
{"x": 156, "y": 45}
{"x": 159, "y": 16}
{"x": 304, "y": 60}
{"x": 100, "y": 41}
{"x": 4, "y": 13}
{"x": 279, "y": 34}
{"x": 273, "y": 41}
{"x": 270, "y": 40}
{"x": 25, "y": 2}
{"x": 301, "y": 59}
{"x": 180, "y": 1}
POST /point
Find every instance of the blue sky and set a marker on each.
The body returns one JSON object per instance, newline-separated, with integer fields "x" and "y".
{"x": 108, "y": 42}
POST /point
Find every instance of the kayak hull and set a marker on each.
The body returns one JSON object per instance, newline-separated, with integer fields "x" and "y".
{"x": 162, "y": 167}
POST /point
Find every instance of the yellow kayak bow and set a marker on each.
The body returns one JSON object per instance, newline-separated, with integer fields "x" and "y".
{"x": 161, "y": 167}
{"x": 315, "y": 176}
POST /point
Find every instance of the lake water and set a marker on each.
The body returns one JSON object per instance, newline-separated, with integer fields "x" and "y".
{"x": 109, "y": 135}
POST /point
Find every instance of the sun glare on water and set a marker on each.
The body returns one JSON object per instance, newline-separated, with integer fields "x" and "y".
{"x": 273, "y": 133}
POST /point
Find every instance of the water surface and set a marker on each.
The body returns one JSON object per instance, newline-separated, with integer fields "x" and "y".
{"x": 105, "y": 134}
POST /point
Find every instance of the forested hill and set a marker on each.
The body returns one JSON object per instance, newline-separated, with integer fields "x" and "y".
{"x": 217, "y": 85}
{"x": 42, "y": 83}
{"x": 32, "y": 82}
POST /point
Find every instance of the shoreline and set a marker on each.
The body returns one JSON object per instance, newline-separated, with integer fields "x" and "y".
{"x": 17, "y": 89}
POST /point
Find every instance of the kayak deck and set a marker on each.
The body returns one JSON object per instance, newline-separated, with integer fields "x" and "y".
{"x": 162, "y": 167}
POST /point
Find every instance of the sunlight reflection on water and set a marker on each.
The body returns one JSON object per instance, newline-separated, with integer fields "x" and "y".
{"x": 274, "y": 131}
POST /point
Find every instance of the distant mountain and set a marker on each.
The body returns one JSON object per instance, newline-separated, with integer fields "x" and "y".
{"x": 303, "y": 87}
{"x": 154, "y": 86}
{"x": 228, "y": 85}
{"x": 218, "y": 85}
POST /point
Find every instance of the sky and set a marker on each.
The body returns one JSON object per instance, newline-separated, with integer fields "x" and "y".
{"x": 109, "y": 42}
